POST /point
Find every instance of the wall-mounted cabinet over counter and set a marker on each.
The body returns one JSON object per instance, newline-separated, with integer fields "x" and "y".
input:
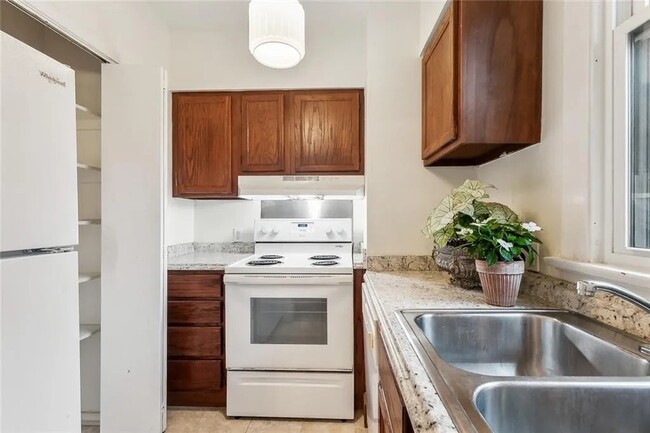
{"x": 218, "y": 136}
{"x": 482, "y": 82}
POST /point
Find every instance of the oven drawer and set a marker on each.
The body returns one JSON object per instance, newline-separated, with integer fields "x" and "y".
{"x": 194, "y": 342}
{"x": 202, "y": 285}
{"x": 290, "y": 394}
{"x": 194, "y": 313}
{"x": 194, "y": 375}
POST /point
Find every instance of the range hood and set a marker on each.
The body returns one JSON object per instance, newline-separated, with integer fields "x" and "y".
{"x": 301, "y": 187}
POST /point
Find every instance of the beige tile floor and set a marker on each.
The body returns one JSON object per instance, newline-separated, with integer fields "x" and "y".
{"x": 215, "y": 421}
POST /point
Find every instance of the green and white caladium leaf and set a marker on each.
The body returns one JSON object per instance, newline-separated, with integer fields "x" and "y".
{"x": 501, "y": 212}
{"x": 442, "y": 237}
{"x": 475, "y": 188}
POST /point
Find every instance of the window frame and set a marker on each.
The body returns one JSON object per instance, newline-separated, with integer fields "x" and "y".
{"x": 617, "y": 240}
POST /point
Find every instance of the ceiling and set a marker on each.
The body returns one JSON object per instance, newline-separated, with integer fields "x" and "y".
{"x": 211, "y": 14}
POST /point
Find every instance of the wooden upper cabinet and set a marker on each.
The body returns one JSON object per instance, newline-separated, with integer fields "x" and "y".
{"x": 204, "y": 145}
{"x": 326, "y": 131}
{"x": 482, "y": 81}
{"x": 263, "y": 138}
{"x": 219, "y": 135}
{"x": 439, "y": 71}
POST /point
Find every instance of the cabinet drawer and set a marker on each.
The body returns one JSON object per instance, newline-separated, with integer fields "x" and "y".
{"x": 194, "y": 375}
{"x": 195, "y": 285}
{"x": 194, "y": 342}
{"x": 194, "y": 313}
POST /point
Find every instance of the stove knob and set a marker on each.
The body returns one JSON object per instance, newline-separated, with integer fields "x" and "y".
{"x": 340, "y": 230}
{"x": 263, "y": 230}
{"x": 329, "y": 231}
{"x": 275, "y": 230}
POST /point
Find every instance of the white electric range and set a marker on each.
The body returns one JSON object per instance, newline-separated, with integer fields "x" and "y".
{"x": 289, "y": 322}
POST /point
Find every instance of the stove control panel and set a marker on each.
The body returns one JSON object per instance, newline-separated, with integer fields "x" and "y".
{"x": 303, "y": 230}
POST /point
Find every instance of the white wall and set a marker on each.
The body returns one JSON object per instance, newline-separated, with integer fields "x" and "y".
{"x": 349, "y": 44}
{"x": 549, "y": 182}
{"x": 214, "y": 55}
{"x": 429, "y": 13}
{"x": 401, "y": 192}
{"x": 128, "y": 32}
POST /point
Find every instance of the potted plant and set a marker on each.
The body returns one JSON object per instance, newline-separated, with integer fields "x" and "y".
{"x": 457, "y": 211}
{"x": 500, "y": 249}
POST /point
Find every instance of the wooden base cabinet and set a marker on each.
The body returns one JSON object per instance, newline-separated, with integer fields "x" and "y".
{"x": 359, "y": 337}
{"x": 482, "y": 81}
{"x": 393, "y": 417}
{"x": 196, "y": 374}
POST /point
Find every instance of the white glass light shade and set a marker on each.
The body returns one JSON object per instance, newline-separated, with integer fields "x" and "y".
{"x": 276, "y": 32}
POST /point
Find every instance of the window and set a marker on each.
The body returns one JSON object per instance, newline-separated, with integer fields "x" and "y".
{"x": 289, "y": 321}
{"x": 630, "y": 148}
{"x": 639, "y": 139}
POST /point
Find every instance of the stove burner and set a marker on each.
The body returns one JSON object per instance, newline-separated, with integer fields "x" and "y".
{"x": 263, "y": 262}
{"x": 270, "y": 257}
{"x": 324, "y": 257}
{"x": 325, "y": 263}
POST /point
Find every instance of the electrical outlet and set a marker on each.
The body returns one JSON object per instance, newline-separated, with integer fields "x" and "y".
{"x": 237, "y": 234}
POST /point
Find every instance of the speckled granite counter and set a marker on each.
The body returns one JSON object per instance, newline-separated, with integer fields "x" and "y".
{"x": 359, "y": 261}
{"x": 204, "y": 261}
{"x": 388, "y": 292}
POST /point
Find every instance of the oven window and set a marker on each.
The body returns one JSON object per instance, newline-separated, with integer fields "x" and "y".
{"x": 289, "y": 321}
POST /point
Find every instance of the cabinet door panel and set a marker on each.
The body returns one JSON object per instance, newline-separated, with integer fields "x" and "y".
{"x": 263, "y": 145}
{"x": 327, "y": 135}
{"x": 204, "y": 160}
{"x": 439, "y": 88}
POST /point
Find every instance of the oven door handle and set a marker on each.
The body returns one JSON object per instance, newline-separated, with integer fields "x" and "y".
{"x": 274, "y": 279}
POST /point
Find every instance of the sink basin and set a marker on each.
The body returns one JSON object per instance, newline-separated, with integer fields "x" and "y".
{"x": 525, "y": 344}
{"x": 533, "y": 371}
{"x": 565, "y": 407}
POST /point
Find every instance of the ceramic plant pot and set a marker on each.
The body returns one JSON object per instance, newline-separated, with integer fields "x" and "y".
{"x": 459, "y": 264}
{"x": 500, "y": 282}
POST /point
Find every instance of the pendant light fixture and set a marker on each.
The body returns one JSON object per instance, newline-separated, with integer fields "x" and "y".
{"x": 276, "y": 32}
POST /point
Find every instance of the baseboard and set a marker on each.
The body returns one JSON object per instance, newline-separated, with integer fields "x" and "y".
{"x": 89, "y": 418}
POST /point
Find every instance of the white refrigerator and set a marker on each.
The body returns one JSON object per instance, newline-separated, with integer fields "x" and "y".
{"x": 39, "y": 300}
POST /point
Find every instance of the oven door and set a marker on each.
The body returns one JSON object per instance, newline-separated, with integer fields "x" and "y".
{"x": 289, "y": 322}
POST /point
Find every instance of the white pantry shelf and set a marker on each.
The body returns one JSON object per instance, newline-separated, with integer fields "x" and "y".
{"x": 84, "y": 113}
{"x": 88, "y": 222}
{"x": 87, "y": 331}
{"x": 84, "y": 278}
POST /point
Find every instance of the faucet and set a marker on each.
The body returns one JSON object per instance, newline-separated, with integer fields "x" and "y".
{"x": 589, "y": 288}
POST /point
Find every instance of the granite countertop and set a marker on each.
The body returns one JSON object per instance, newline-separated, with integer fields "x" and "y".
{"x": 359, "y": 261}
{"x": 388, "y": 292}
{"x": 204, "y": 261}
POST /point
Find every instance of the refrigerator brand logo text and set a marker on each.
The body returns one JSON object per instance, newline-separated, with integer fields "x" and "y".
{"x": 52, "y": 79}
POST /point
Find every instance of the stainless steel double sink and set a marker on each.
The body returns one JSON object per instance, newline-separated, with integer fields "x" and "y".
{"x": 532, "y": 371}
